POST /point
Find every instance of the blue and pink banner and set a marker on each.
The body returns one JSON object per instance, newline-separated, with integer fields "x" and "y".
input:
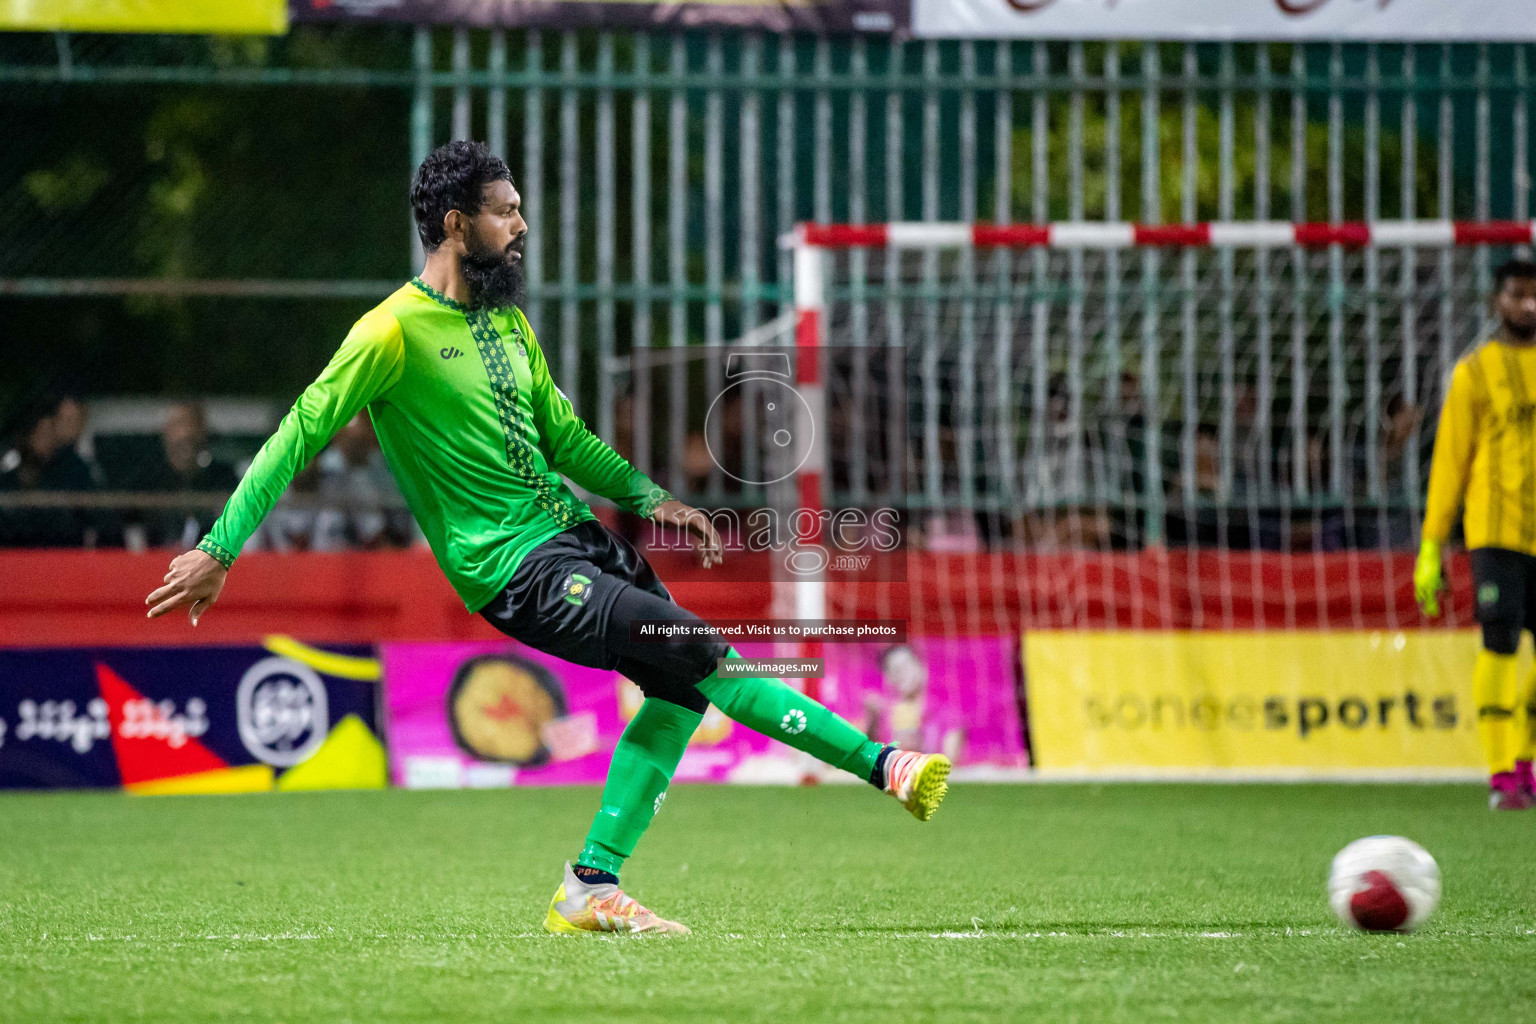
{"x": 190, "y": 719}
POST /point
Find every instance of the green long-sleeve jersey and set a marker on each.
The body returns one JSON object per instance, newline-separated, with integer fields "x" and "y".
{"x": 472, "y": 425}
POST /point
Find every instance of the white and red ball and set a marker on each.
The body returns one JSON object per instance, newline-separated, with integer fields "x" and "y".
{"x": 1384, "y": 884}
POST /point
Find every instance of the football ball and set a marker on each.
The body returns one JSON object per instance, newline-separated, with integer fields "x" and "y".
{"x": 1383, "y": 884}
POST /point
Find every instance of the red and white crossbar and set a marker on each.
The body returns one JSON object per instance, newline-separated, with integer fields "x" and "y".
{"x": 1224, "y": 235}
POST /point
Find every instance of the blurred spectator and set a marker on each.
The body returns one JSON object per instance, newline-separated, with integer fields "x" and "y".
{"x": 363, "y": 508}
{"x": 40, "y": 462}
{"x": 186, "y": 465}
{"x": 69, "y": 422}
{"x": 1385, "y": 520}
{"x": 291, "y": 524}
{"x": 346, "y": 498}
{"x": 1064, "y": 477}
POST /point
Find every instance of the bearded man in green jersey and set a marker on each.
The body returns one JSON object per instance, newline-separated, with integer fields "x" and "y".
{"x": 479, "y": 437}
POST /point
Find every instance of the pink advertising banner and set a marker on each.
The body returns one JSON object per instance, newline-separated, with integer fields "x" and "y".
{"x": 495, "y": 713}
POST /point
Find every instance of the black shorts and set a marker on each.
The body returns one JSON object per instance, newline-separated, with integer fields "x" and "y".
{"x": 575, "y": 595}
{"x": 1504, "y": 586}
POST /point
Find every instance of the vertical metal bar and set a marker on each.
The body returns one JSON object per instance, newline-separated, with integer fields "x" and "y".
{"x": 1188, "y": 212}
{"x": 1076, "y": 343}
{"x": 785, "y": 172}
{"x": 1409, "y": 273}
{"x": 533, "y": 180}
{"x": 1117, "y": 482}
{"x": 640, "y": 249}
{"x": 1373, "y": 409}
{"x": 421, "y": 118}
{"x": 822, "y": 161}
{"x": 1520, "y": 127}
{"x": 570, "y": 206}
{"x": 965, "y": 412}
{"x": 1040, "y": 209}
{"x": 677, "y": 260}
{"x": 1226, "y": 210}
{"x": 714, "y": 241}
{"x": 1151, "y": 272}
{"x": 461, "y": 108}
{"x": 895, "y": 210}
{"x": 1301, "y": 298}
{"x": 751, "y": 243}
{"x": 788, "y": 187}
{"x": 607, "y": 227}
{"x": 1337, "y": 385}
{"x": 933, "y": 469}
{"x": 496, "y": 95}
{"x": 1005, "y": 408}
{"x": 1446, "y": 138}
{"x": 858, "y": 270}
{"x": 66, "y": 57}
{"x": 1372, "y": 418}
{"x": 1265, "y": 397}
{"x": 1482, "y": 208}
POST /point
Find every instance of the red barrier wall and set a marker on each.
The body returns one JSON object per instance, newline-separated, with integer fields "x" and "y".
{"x": 65, "y": 598}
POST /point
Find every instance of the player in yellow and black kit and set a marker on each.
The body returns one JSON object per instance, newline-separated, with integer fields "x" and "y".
{"x": 1485, "y": 458}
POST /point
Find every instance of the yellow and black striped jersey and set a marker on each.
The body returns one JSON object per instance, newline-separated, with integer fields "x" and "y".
{"x": 1485, "y": 451}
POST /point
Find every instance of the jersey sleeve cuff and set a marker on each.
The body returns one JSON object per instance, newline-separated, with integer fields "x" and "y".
{"x": 652, "y": 500}
{"x": 223, "y": 555}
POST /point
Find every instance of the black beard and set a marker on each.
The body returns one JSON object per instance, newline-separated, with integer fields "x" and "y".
{"x": 495, "y": 280}
{"x": 1521, "y": 334}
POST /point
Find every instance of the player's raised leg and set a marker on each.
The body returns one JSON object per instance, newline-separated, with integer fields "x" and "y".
{"x": 579, "y": 596}
{"x": 776, "y": 709}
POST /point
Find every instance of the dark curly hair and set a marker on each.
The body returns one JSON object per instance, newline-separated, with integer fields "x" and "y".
{"x": 452, "y": 177}
{"x": 1513, "y": 270}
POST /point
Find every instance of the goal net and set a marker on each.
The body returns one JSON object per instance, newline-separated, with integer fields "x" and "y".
{"x": 1206, "y": 426}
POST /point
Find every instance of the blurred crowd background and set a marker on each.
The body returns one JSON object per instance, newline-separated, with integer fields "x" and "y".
{"x": 141, "y": 474}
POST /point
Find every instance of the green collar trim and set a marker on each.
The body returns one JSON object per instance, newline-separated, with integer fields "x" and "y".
{"x": 439, "y": 297}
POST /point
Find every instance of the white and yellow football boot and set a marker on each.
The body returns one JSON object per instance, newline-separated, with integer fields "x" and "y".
{"x": 918, "y": 780}
{"x": 578, "y": 908}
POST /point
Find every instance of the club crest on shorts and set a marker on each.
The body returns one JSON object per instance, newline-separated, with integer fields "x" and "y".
{"x": 1488, "y": 594}
{"x": 576, "y": 588}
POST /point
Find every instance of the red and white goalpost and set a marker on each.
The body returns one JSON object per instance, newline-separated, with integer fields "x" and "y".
{"x": 1122, "y": 235}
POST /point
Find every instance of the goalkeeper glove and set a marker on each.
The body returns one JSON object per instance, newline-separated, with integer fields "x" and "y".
{"x": 1428, "y": 578}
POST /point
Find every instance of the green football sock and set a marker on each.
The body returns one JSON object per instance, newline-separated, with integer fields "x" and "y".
{"x": 784, "y": 713}
{"x": 643, "y": 762}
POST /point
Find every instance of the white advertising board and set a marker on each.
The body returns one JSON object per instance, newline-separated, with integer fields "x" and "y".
{"x": 1385, "y": 20}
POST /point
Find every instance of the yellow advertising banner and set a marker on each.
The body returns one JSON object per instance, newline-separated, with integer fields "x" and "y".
{"x": 264, "y": 17}
{"x": 1256, "y": 703}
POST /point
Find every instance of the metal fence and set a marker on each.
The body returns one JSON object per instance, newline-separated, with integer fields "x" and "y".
{"x": 658, "y": 171}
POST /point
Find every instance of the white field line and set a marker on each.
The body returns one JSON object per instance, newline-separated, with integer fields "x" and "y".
{"x": 1047, "y": 776}
{"x": 1006, "y": 935}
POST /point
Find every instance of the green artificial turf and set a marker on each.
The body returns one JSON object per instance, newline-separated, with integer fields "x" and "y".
{"x": 1041, "y": 903}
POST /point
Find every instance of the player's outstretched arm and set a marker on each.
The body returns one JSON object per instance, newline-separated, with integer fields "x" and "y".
{"x": 367, "y": 365}
{"x": 1448, "y": 469}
